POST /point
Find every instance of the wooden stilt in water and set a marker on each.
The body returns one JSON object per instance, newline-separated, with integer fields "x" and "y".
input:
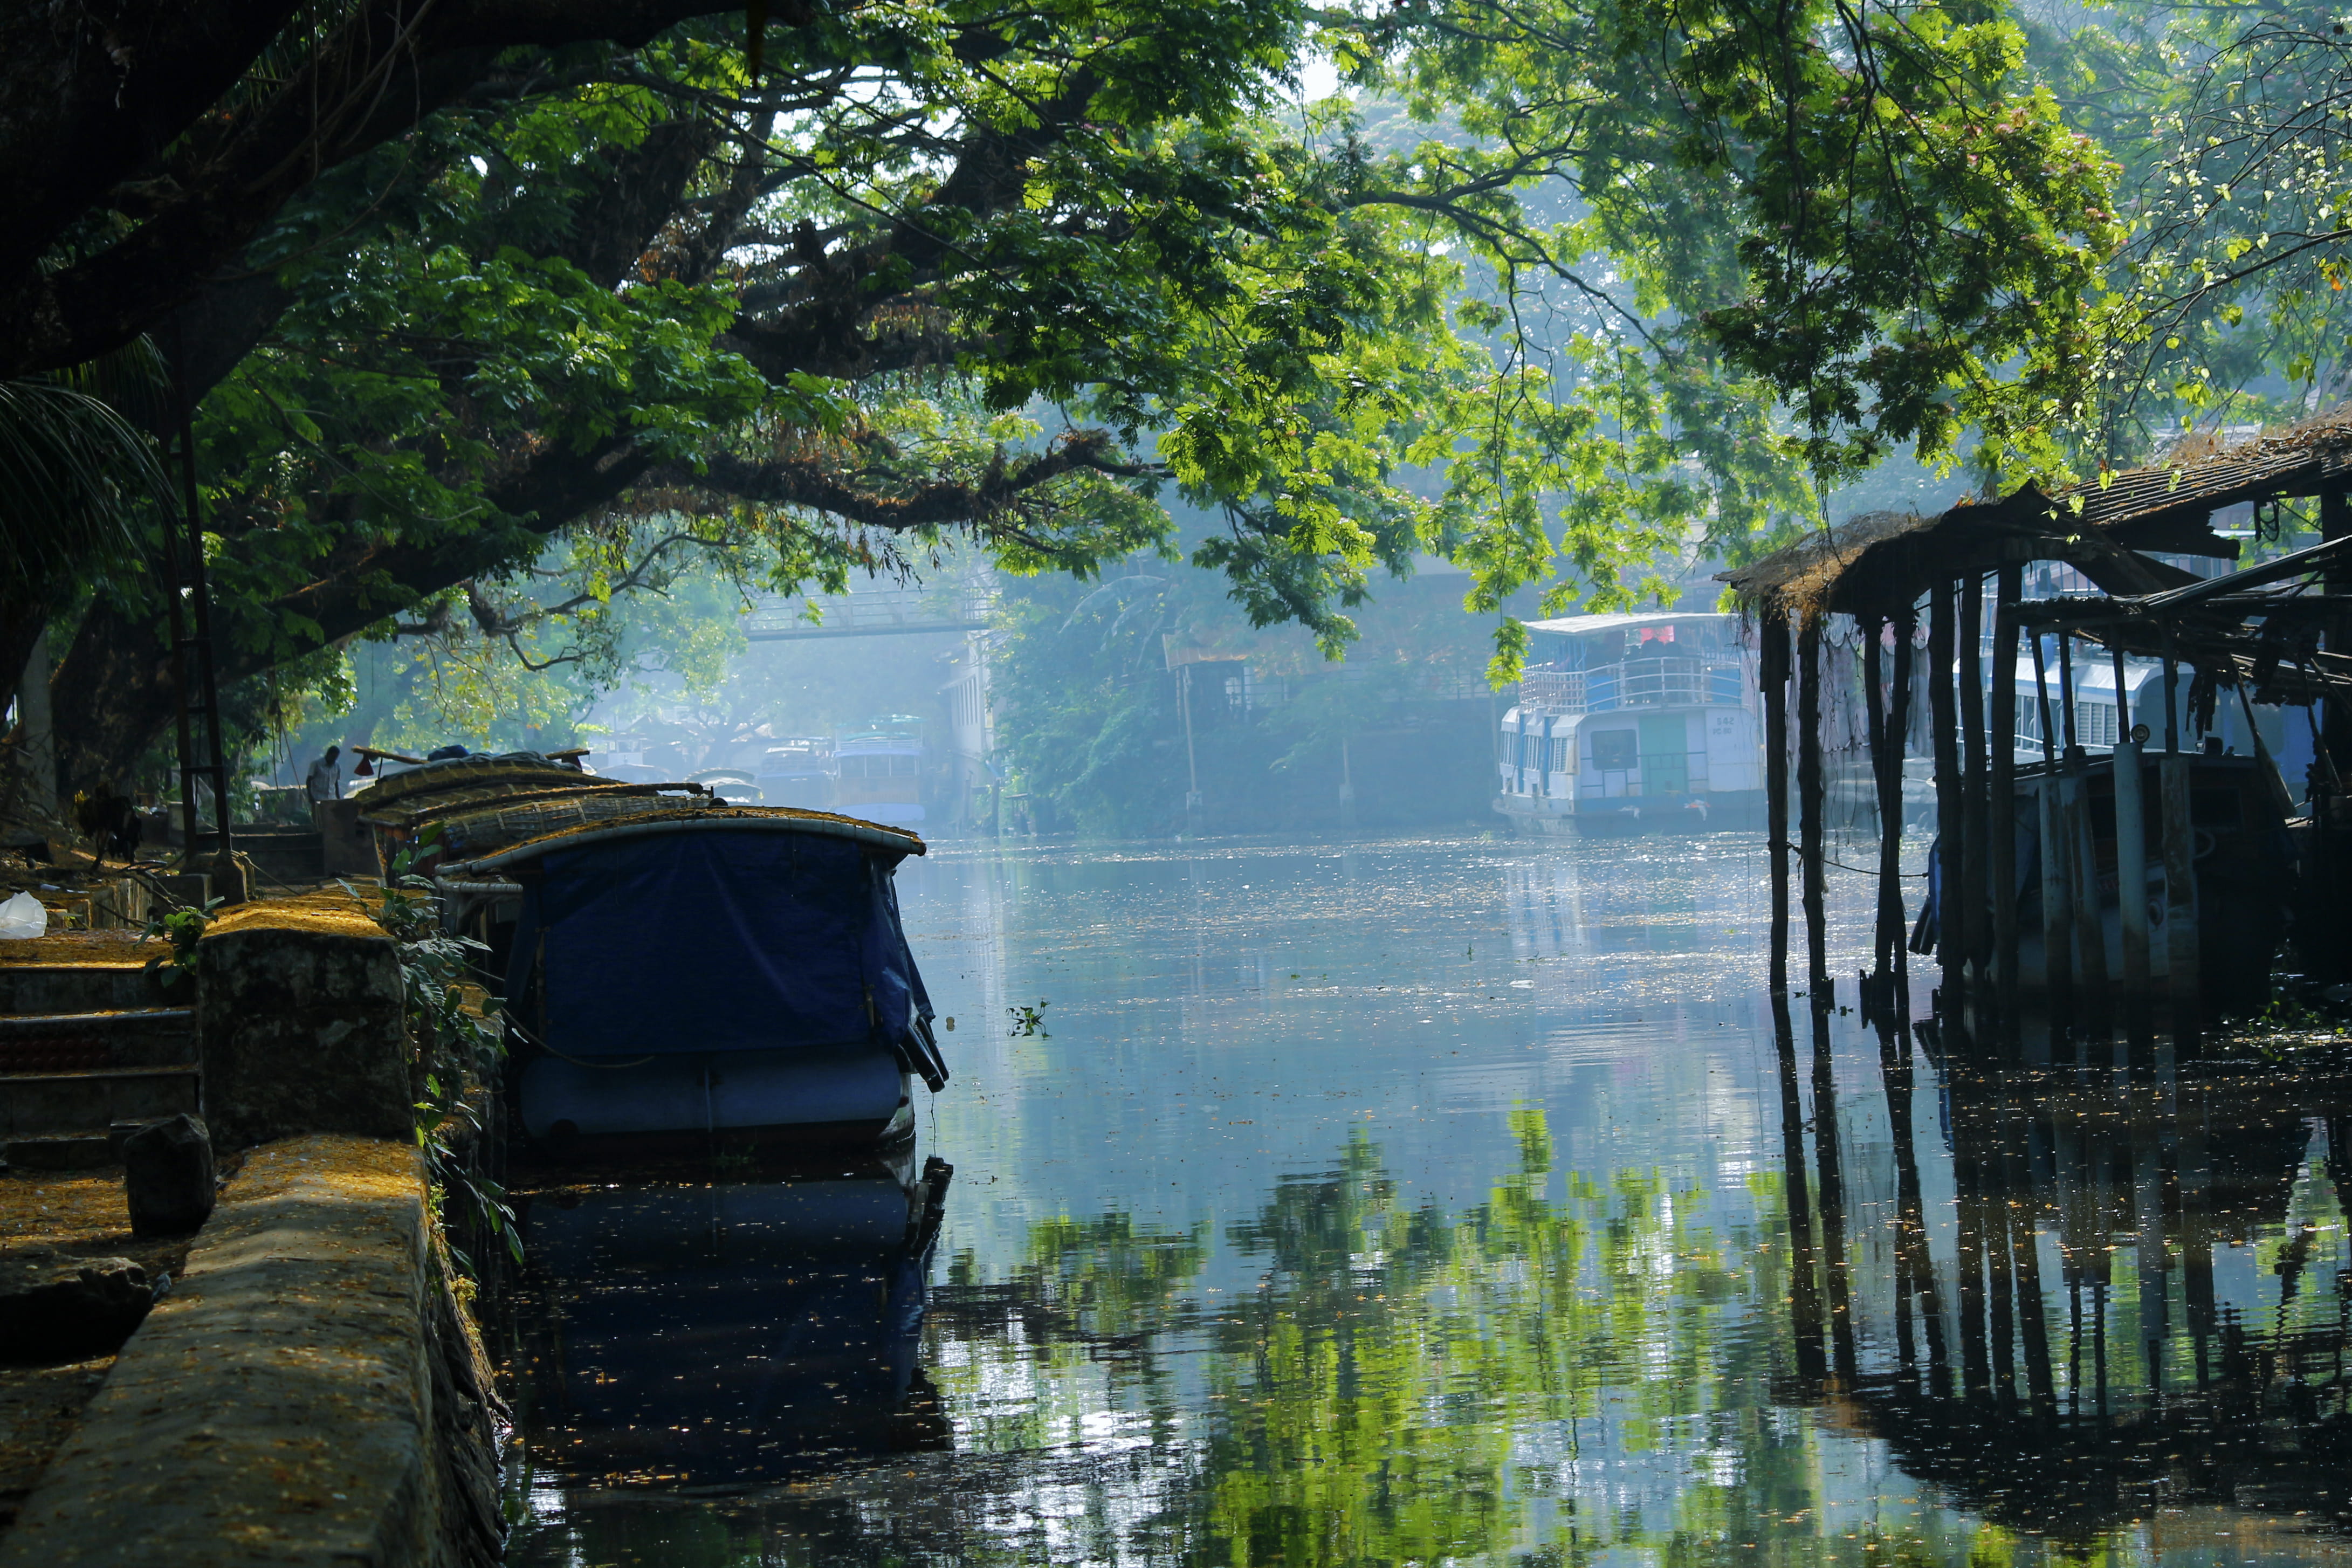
{"x": 1950, "y": 827}
{"x": 2181, "y": 991}
{"x": 1886, "y": 776}
{"x": 1975, "y": 879}
{"x": 1772, "y": 675}
{"x": 1836, "y": 1279}
{"x": 1804, "y": 1291}
{"x": 2001, "y": 799}
{"x": 2074, "y": 801}
{"x": 2057, "y": 861}
{"x": 1899, "y": 724}
{"x": 1810, "y": 802}
{"x": 2032, "y": 1329}
{"x": 2131, "y": 864}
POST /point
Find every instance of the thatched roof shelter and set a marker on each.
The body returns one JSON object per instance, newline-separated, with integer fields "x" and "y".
{"x": 1878, "y": 565}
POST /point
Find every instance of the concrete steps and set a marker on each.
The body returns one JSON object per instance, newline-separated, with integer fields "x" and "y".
{"x": 90, "y": 1034}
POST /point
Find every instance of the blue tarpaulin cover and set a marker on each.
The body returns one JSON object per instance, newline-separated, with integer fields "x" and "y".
{"x": 717, "y": 941}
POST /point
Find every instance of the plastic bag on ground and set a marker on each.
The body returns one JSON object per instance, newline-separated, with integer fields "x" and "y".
{"x": 21, "y": 917}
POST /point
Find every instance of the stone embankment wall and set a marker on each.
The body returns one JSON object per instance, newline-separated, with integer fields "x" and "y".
{"x": 311, "y": 1391}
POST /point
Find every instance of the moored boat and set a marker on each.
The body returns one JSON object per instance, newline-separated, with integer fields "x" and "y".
{"x": 677, "y": 971}
{"x": 1631, "y": 724}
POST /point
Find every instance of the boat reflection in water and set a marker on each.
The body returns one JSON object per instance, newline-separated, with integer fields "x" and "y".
{"x": 706, "y": 1335}
{"x": 2132, "y": 1314}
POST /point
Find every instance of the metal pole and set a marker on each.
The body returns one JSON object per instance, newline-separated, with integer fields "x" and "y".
{"x": 1192, "y": 767}
{"x": 178, "y": 617}
{"x": 200, "y": 604}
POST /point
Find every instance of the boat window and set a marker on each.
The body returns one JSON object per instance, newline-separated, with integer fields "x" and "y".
{"x": 1613, "y": 749}
{"x": 2095, "y": 723}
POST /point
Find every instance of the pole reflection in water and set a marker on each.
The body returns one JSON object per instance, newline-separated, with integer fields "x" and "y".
{"x": 1451, "y": 1201}
{"x": 2212, "y": 1386}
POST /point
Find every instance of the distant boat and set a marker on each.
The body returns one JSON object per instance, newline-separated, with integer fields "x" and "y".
{"x": 1631, "y": 724}
{"x": 679, "y": 972}
{"x": 798, "y": 772}
{"x": 879, "y": 773}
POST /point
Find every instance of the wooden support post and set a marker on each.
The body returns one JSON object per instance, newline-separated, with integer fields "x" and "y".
{"x": 1950, "y": 827}
{"x": 2131, "y": 883}
{"x": 2057, "y": 861}
{"x": 2181, "y": 987}
{"x": 2074, "y": 801}
{"x": 2000, "y": 795}
{"x": 1975, "y": 875}
{"x": 2335, "y": 523}
{"x": 1772, "y": 676}
{"x": 1810, "y": 792}
{"x": 1887, "y": 796}
{"x": 2171, "y": 698}
{"x": 1899, "y": 724}
{"x": 2131, "y": 863}
{"x": 2090, "y": 929}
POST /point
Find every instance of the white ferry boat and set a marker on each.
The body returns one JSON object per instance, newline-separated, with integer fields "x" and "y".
{"x": 1633, "y": 723}
{"x": 879, "y": 775}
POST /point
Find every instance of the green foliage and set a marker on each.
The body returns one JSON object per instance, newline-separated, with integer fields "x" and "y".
{"x": 2226, "y": 306}
{"x": 1564, "y": 289}
{"x": 76, "y": 478}
{"x": 182, "y": 929}
{"x": 460, "y": 1046}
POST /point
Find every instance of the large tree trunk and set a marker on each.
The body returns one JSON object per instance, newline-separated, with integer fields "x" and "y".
{"x": 113, "y": 697}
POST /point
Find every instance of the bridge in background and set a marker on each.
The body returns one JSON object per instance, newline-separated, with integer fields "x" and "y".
{"x": 877, "y": 612}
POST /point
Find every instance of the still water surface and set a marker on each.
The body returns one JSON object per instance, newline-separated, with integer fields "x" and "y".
{"x": 1451, "y": 1201}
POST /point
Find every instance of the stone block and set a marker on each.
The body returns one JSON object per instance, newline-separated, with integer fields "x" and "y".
{"x": 167, "y": 1176}
{"x": 307, "y": 1394}
{"x": 299, "y": 1017}
{"x": 58, "y": 1151}
{"x": 69, "y": 1309}
{"x": 347, "y": 845}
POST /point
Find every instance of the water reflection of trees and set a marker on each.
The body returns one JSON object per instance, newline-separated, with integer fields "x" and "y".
{"x": 1390, "y": 1382}
{"x": 2149, "y": 1299}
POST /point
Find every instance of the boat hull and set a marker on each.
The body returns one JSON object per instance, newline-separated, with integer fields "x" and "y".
{"x": 689, "y": 1100}
{"x": 1618, "y": 816}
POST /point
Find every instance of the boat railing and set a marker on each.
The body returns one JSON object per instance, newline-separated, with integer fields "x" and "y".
{"x": 1632, "y": 683}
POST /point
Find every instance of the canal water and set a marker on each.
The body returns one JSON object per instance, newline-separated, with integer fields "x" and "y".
{"x": 1451, "y": 1200}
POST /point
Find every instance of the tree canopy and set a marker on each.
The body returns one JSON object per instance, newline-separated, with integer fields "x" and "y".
{"x": 1554, "y": 289}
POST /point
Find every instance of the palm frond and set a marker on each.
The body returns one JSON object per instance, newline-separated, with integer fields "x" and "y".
{"x": 75, "y": 475}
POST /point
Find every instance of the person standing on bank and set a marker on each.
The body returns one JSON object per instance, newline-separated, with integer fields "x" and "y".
{"x": 326, "y": 781}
